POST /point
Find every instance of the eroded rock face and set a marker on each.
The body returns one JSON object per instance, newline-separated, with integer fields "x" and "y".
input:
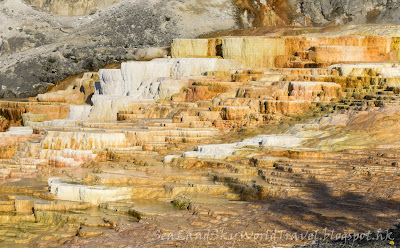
{"x": 256, "y": 13}
{"x": 342, "y": 12}
{"x": 15, "y": 113}
{"x": 78, "y": 93}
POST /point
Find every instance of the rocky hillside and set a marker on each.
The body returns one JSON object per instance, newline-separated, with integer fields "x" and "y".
{"x": 43, "y": 42}
{"x": 324, "y": 12}
{"x": 257, "y": 13}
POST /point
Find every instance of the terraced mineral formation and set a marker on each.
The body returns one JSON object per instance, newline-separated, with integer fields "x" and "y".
{"x": 232, "y": 133}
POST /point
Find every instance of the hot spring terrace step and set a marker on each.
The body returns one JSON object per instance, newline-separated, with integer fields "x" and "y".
{"x": 201, "y": 123}
{"x": 303, "y": 71}
{"x": 175, "y": 189}
{"x": 241, "y": 169}
{"x": 235, "y": 178}
{"x": 165, "y": 126}
{"x": 395, "y": 153}
{"x": 377, "y": 169}
{"x": 290, "y": 184}
{"x": 391, "y": 93}
{"x": 174, "y": 139}
{"x": 309, "y": 170}
{"x": 125, "y": 149}
{"x": 286, "y": 174}
{"x": 317, "y": 165}
{"x": 270, "y": 190}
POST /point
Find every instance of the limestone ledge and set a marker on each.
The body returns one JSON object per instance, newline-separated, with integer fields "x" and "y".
{"x": 66, "y": 157}
{"x": 82, "y": 193}
{"x": 362, "y": 69}
{"x": 272, "y": 52}
{"x": 147, "y": 81}
{"x": 78, "y": 93}
{"x": 222, "y": 151}
{"x": 151, "y": 80}
{"x": 58, "y": 140}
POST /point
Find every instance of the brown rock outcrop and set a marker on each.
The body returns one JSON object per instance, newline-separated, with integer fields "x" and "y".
{"x": 78, "y": 93}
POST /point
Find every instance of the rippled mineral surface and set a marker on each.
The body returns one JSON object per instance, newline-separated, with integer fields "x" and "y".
{"x": 249, "y": 138}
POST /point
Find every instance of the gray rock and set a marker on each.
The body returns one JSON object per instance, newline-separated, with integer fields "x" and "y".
{"x": 355, "y": 11}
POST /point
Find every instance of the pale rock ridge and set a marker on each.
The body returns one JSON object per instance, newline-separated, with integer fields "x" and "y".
{"x": 92, "y": 194}
{"x": 111, "y": 82}
{"x": 20, "y": 131}
{"x": 310, "y": 90}
{"x": 222, "y": 151}
{"x": 198, "y": 47}
{"x": 294, "y": 51}
{"x": 147, "y": 81}
{"x": 81, "y": 140}
{"x": 79, "y": 112}
{"x": 66, "y": 157}
{"x": 134, "y": 74}
{"x": 136, "y": 77}
{"x": 382, "y": 69}
{"x": 106, "y": 107}
{"x": 247, "y": 50}
{"x": 197, "y": 66}
{"x": 162, "y": 88}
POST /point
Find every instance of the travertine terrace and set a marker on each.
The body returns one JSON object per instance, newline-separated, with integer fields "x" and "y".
{"x": 242, "y": 133}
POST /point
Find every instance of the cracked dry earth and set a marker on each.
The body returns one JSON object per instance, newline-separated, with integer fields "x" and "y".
{"x": 234, "y": 141}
